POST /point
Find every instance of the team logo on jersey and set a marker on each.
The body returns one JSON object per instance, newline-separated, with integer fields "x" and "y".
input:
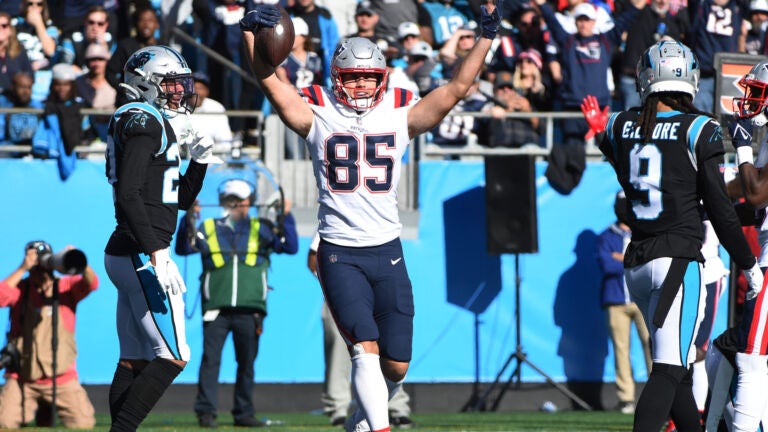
{"x": 137, "y": 120}
{"x": 333, "y": 258}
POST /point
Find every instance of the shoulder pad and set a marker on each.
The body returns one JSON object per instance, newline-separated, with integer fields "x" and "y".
{"x": 403, "y": 97}
{"x": 313, "y": 95}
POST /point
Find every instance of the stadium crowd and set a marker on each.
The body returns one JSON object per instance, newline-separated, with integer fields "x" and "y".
{"x": 547, "y": 57}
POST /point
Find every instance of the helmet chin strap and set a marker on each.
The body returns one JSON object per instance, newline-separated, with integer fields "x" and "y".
{"x": 760, "y": 120}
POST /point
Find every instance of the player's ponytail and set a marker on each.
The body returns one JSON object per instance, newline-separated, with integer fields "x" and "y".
{"x": 678, "y": 101}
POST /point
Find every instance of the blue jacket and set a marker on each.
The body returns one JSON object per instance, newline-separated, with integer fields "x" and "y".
{"x": 614, "y": 289}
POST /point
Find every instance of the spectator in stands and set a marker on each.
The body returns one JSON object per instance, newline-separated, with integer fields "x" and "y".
{"x": 754, "y": 39}
{"x": 510, "y": 132}
{"x": 706, "y": 39}
{"x": 94, "y": 89}
{"x": 392, "y": 13}
{"x": 94, "y": 30}
{"x": 458, "y": 130}
{"x": 585, "y": 58}
{"x": 13, "y": 57}
{"x": 69, "y": 13}
{"x": 146, "y": 27}
{"x": 439, "y": 20}
{"x": 39, "y": 37}
{"x": 366, "y": 19}
{"x": 343, "y": 13}
{"x": 222, "y": 33}
{"x": 18, "y": 128}
{"x": 322, "y": 31}
{"x": 215, "y": 126}
{"x": 302, "y": 68}
{"x": 567, "y": 17}
{"x": 408, "y": 34}
{"x": 421, "y": 63}
{"x": 527, "y": 33}
{"x": 456, "y": 48}
{"x": 652, "y": 23}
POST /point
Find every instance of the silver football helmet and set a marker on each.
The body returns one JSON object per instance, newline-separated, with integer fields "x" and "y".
{"x": 755, "y": 101}
{"x": 667, "y": 66}
{"x": 358, "y": 55}
{"x": 159, "y": 75}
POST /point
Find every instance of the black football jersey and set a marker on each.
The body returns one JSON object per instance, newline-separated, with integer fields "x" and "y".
{"x": 143, "y": 168}
{"x": 669, "y": 181}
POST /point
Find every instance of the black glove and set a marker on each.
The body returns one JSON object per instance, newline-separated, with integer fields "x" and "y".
{"x": 489, "y": 22}
{"x": 741, "y": 132}
{"x": 262, "y": 16}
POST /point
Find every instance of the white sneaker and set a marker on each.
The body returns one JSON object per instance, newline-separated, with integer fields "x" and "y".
{"x": 357, "y": 422}
{"x": 627, "y": 408}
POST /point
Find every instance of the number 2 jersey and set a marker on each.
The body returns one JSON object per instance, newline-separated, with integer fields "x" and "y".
{"x": 357, "y": 160}
{"x": 143, "y": 168}
{"x": 666, "y": 179}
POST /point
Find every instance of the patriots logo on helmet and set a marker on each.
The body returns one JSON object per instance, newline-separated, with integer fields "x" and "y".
{"x": 138, "y": 61}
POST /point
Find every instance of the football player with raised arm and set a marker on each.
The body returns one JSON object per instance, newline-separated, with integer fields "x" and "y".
{"x": 357, "y": 132}
{"x": 745, "y": 348}
{"x": 143, "y": 168}
{"x": 667, "y": 156}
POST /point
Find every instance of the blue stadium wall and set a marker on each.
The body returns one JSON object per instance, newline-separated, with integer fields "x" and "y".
{"x": 563, "y": 327}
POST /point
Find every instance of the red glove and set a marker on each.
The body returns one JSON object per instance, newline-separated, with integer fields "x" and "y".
{"x": 595, "y": 118}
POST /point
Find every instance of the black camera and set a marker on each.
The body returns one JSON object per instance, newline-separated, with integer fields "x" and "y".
{"x": 10, "y": 357}
{"x": 71, "y": 261}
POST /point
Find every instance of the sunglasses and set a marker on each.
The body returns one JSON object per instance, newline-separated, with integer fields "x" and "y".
{"x": 97, "y": 23}
{"x": 35, "y": 4}
{"x": 5, "y": 25}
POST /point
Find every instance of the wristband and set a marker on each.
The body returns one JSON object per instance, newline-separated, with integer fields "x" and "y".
{"x": 744, "y": 155}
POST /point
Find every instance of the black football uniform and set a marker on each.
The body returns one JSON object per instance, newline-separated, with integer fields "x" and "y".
{"x": 665, "y": 181}
{"x": 147, "y": 196}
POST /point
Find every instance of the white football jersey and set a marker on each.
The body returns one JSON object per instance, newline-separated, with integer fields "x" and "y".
{"x": 357, "y": 161}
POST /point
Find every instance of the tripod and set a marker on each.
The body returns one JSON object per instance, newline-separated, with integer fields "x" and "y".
{"x": 521, "y": 358}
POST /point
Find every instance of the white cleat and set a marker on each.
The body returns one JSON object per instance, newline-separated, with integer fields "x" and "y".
{"x": 357, "y": 422}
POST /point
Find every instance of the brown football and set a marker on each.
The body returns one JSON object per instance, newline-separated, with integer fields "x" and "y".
{"x": 274, "y": 43}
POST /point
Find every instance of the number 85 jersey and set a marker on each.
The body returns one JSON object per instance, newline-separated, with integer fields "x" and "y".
{"x": 662, "y": 178}
{"x": 356, "y": 160}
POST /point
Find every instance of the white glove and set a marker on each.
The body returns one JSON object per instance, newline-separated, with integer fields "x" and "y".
{"x": 754, "y": 278}
{"x": 167, "y": 273}
{"x": 200, "y": 148}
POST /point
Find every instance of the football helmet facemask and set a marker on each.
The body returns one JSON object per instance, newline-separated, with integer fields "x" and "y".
{"x": 358, "y": 56}
{"x": 755, "y": 100}
{"x": 667, "y": 66}
{"x": 160, "y": 76}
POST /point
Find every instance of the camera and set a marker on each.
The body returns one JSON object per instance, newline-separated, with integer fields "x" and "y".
{"x": 70, "y": 261}
{"x": 10, "y": 357}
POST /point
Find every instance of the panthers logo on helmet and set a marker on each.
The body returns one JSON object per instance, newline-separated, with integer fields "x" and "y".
{"x": 138, "y": 61}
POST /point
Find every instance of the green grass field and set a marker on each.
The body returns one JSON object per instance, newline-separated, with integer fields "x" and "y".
{"x": 566, "y": 421}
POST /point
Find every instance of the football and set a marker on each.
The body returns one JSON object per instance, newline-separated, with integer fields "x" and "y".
{"x": 274, "y": 44}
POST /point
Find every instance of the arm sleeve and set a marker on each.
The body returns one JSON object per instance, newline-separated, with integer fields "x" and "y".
{"x": 191, "y": 183}
{"x": 722, "y": 214}
{"x": 183, "y": 245}
{"x": 78, "y": 287}
{"x": 289, "y": 242}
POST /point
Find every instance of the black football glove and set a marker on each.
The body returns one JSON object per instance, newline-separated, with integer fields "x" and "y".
{"x": 262, "y": 16}
{"x": 741, "y": 132}
{"x": 489, "y": 22}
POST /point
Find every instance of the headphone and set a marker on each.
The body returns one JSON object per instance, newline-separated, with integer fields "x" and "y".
{"x": 249, "y": 185}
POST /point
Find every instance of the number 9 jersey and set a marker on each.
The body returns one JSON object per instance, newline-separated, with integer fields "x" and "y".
{"x": 357, "y": 158}
{"x": 666, "y": 178}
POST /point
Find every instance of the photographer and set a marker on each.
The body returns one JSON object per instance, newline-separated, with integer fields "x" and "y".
{"x": 29, "y": 378}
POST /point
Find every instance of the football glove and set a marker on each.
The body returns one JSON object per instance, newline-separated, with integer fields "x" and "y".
{"x": 754, "y": 278}
{"x": 262, "y": 16}
{"x": 596, "y": 119}
{"x": 741, "y": 133}
{"x": 166, "y": 271}
{"x": 200, "y": 148}
{"x": 489, "y": 22}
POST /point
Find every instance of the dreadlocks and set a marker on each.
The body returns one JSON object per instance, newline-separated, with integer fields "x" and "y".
{"x": 678, "y": 101}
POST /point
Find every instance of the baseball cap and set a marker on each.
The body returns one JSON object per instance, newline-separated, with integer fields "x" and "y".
{"x": 364, "y": 7}
{"x": 408, "y": 29}
{"x": 420, "y": 49}
{"x": 758, "y": 6}
{"x": 300, "y": 26}
{"x": 585, "y": 10}
{"x": 503, "y": 78}
{"x": 97, "y": 51}
{"x": 64, "y": 72}
{"x": 533, "y": 55}
{"x": 202, "y": 77}
{"x": 236, "y": 188}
